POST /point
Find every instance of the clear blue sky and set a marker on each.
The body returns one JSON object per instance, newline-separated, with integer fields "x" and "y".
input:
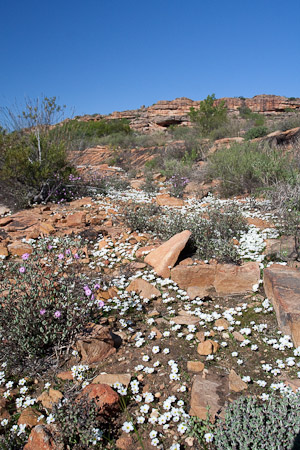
{"x": 100, "y": 56}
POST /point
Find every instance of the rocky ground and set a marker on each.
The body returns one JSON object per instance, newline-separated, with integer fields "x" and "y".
{"x": 175, "y": 337}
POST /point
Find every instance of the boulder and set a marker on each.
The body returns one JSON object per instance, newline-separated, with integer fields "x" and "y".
{"x": 197, "y": 280}
{"x": 29, "y": 416}
{"x": 282, "y": 287}
{"x": 95, "y": 344}
{"x": 107, "y": 400}
{"x": 76, "y": 220}
{"x": 164, "y": 257}
{"x": 231, "y": 279}
{"x": 42, "y": 438}
{"x": 143, "y": 288}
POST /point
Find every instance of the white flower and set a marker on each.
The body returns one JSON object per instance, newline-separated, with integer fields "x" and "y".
{"x": 155, "y": 442}
{"x": 145, "y": 358}
{"x": 209, "y": 437}
{"x": 181, "y": 428}
{"x": 153, "y": 434}
{"x": 4, "y": 422}
{"x": 127, "y": 427}
{"x": 50, "y": 419}
{"x": 140, "y": 419}
{"x": 264, "y": 397}
{"x": 166, "y": 351}
{"x": 155, "y": 349}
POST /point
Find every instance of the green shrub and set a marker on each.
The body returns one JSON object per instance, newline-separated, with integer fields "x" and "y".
{"x": 252, "y": 424}
{"x": 77, "y": 422}
{"x": 209, "y": 115}
{"x": 256, "y": 132}
{"x": 149, "y": 185}
{"x": 285, "y": 201}
{"x": 211, "y": 237}
{"x": 40, "y": 310}
{"x": 254, "y": 118}
{"x": 248, "y": 167}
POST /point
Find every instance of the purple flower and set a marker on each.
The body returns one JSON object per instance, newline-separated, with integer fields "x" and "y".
{"x": 57, "y": 314}
{"x": 88, "y": 292}
{"x": 42, "y": 312}
{"x": 100, "y": 304}
{"x": 22, "y": 269}
{"x": 25, "y": 256}
{"x": 68, "y": 252}
{"x": 97, "y": 286}
{"x": 50, "y": 247}
{"x": 76, "y": 256}
{"x": 61, "y": 256}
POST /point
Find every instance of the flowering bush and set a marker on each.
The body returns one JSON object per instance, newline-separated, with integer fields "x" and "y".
{"x": 178, "y": 184}
{"x": 41, "y": 309}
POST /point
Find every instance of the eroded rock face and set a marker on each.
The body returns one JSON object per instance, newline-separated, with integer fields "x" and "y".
{"x": 282, "y": 287}
{"x": 163, "y": 258}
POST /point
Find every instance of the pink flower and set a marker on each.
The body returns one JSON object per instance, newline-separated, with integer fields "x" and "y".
{"x": 22, "y": 269}
{"x": 61, "y": 256}
{"x": 97, "y": 286}
{"x": 68, "y": 252}
{"x": 42, "y": 312}
{"x": 88, "y": 292}
{"x": 100, "y": 304}
{"x": 25, "y": 256}
{"x": 57, "y": 314}
{"x": 50, "y": 247}
{"x": 76, "y": 256}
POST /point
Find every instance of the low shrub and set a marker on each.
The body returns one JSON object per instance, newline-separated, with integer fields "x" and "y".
{"x": 248, "y": 167}
{"x": 256, "y": 132}
{"x": 143, "y": 217}
{"x": 178, "y": 183}
{"x": 77, "y": 422}
{"x": 285, "y": 201}
{"x": 149, "y": 185}
{"x": 253, "y": 424}
{"x": 41, "y": 310}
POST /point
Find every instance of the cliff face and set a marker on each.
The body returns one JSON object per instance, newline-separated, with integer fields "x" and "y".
{"x": 165, "y": 113}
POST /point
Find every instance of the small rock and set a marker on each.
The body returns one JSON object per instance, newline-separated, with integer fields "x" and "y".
{"x": 112, "y": 378}
{"x": 236, "y": 384}
{"x": 143, "y": 288}
{"x": 207, "y": 347}
{"x": 48, "y": 399}
{"x": 195, "y": 366}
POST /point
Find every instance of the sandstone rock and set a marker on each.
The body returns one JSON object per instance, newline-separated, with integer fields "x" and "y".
{"x": 3, "y": 250}
{"x": 207, "y": 347}
{"x": 4, "y": 210}
{"x": 208, "y": 392}
{"x": 165, "y": 256}
{"x": 282, "y": 287}
{"x": 238, "y": 336}
{"x": 142, "y": 250}
{"x": 112, "y": 378}
{"x": 143, "y": 288}
{"x": 167, "y": 200}
{"x": 29, "y": 416}
{"x": 42, "y": 438}
{"x": 5, "y": 221}
{"x": 19, "y": 248}
{"x": 46, "y": 228}
{"x": 76, "y": 220}
{"x": 48, "y": 399}
{"x": 293, "y": 384}
{"x": 66, "y": 375}
{"x": 231, "y": 279}
{"x": 195, "y": 366}
{"x": 236, "y": 384}
{"x": 186, "y": 320}
{"x": 95, "y": 344}
{"x": 222, "y": 323}
{"x": 107, "y": 400}
{"x": 124, "y": 442}
{"x": 197, "y": 280}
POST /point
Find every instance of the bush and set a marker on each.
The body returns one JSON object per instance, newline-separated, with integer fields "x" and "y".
{"x": 40, "y": 310}
{"x": 211, "y": 237}
{"x": 254, "y": 118}
{"x": 285, "y": 200}
{"x": 210, "y": 115}
{"x": 248, "y": 167}
{"x": 256, "y": 132}
{"x": 252, "y": 424}
{"x": 77, "y": 422}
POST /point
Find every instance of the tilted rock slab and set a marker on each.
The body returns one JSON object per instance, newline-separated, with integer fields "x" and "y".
{"x": 282, "y": 287}
{"x": 166, "y": 255}
{"x": 216, "y": 279}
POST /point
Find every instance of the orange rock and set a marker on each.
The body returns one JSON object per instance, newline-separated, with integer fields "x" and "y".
{"x": 67, "y": 375}
{"x": 163, "y": 258}
{"x": 42, "y": 438}
{"x": 3, "y": 250}
{"x": 231, "y": 279}
{"x": 195, "y": 366}
{"x": 236, "y": 384}
{"x": 222, "y": 323}
{"x": 142, "y": 287}
{"x": 140, "y": 252}
{"x": 207, "y": 347}
{"x": 29, "y": 416}
{"x": 167, "y": 200}
{"x": 19, "y": 248}
{"x": 76, "y": 220}
{"x": 197, "y": 280}
{"x": 46, "y": 228}
{"x": 107, "y": 400}
{"x": 48, "y": 399}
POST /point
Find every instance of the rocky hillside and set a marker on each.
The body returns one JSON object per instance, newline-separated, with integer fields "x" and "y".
{"x": 165, "y": 113}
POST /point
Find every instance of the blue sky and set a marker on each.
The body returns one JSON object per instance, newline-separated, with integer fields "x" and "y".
{"x": 101, "y": 56}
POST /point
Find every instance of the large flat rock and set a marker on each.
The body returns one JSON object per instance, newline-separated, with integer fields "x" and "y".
{"x": 282, "y": 287}
{"x": 208, "y": 393}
